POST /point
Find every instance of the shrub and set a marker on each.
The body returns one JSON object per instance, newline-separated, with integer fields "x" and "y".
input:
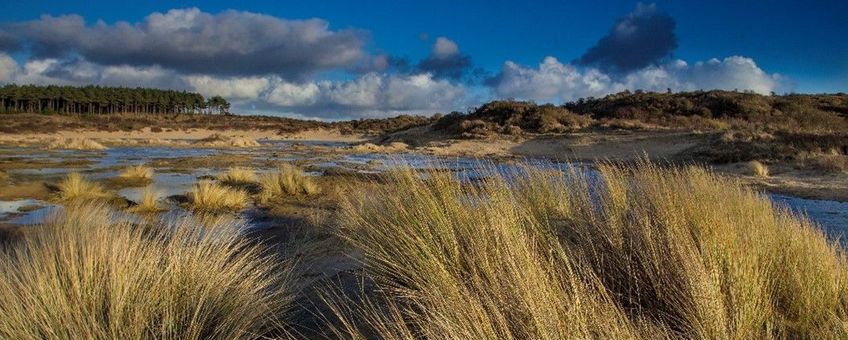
{"x": 287, "y": 181}
{"x": 833, "y": 163}
{"x": 75, "y": 187}
{"x": 212, "y": 197}
{"x": 758, "y": 169}
{"x": 629, "y": 253}
{"x": 88, "y": 273}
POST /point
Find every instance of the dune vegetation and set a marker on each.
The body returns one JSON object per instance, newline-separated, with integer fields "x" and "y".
{"x": 149, "y": 202}
{"x": 287, "y": 181}
{"x": 758, "y": 169}
{"x": 238, "y": 176}
{"x": 75, "y": 187}
{"x": 89, "y": 273}
{"x": 212, "y": 197}
{"x": 134, "y": 176}
{"x": 632, "y": 253}
{"x": 75, "y": 144}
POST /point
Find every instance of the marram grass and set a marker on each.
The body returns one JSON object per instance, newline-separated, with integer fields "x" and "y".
{"x": 75, "y": 187}
{"x": 212, "y": 197}
{"x": 90, "y": 274}
{"x": 630, "y": 253}
{"x": 287, "y": 181}
{"x": 238, "y": 176}
{"x": 138, "y": 172}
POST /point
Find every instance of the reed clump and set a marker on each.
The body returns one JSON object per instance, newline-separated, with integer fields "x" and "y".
{"x": 287, "y": 181}
{"x": 758, "y": 169}
{"x": 212, "y": 197}
{"x": 149, "y": 202}
{"x": 75, "y": 144}
{"x": 135, "y": 176}
{"x": 89, "y": 273}
{"x": 237, "y": 176}
{"x": 75, "y": 187}
{"x": 644, "y": 252}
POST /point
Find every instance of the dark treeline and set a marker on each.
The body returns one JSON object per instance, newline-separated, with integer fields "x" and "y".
{"x": 105, "y": 100}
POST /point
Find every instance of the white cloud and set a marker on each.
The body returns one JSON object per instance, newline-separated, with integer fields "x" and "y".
{"x": 555, "y": 81}
{"x": 370, "y": 95}
{"x": 445, "y": 48}
{"x": 8, "y": 67}
{"x": 234, "y": 87}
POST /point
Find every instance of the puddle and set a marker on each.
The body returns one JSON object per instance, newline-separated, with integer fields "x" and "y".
{"x": 832, "y": 216}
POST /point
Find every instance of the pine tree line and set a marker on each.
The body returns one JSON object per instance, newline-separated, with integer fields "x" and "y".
{"x": 105, "y": 100}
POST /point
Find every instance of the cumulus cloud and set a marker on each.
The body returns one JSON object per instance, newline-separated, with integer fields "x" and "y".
{"x": 370, "y": 95}
{"x": 642, "y": 38}
{"x": 556, "y": 81}
{"x": 445, "y": 60}
{"x": 8, "y": 67}
{"x": 192, "y": 41}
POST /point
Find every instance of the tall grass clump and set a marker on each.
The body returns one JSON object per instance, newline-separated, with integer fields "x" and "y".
{"x": 149, "y": 202}
{"x": 643, "y": 252}
{"x": 758, "y": 169}
{"x": 91, "y": 274}
{"x": 213, "y": 197}
{"x": 238, "y": 176}
{"x": 75, "y": 187}
{"x": 287, "y": 181}
{"x": 135, "y": 175}
{"x": 137, "y": 172}
{"x": 75, "y": 144}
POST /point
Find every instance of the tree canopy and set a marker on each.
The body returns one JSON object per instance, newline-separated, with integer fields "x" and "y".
{"x": 105, "y": 100}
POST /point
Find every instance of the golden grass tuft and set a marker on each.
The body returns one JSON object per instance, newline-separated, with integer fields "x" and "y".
{"x": 632, "y": 253}
{"x": 213, "y": 197}
{"x": 75, "y": 144}
{"x": 134, "y": 176}
{"x": 3, "y": 176}
{"x": 758, "y": 169}
{"x": 287, "y": 181}
{"x": 238, "y": 176}
{"x": 149, "y": 202}
{"x": 219, "y": 140}
{"x": 137, "y": 172}
{"x": 89, "y": 273}
{"x": 75, "y": 187}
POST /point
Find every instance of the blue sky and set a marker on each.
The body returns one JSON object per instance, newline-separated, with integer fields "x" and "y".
{"x": 786, "y": 46}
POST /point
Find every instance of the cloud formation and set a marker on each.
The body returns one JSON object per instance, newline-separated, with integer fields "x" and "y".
{"x": 559, "y": 82}
{"x": 192, "y": 41}
{"x": 445, "y": 60}
{"x": 642, "y": 38}
{"x": 370, "y": 95}
{"x": 266, "y": 64}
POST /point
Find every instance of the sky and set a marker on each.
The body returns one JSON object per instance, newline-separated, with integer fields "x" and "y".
{"x": 333, "y": 60}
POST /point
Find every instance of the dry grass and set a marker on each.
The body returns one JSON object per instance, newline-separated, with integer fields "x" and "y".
{"x": 134, "y": 176}
{"x": 633, "y": 253}
{"x": 149, "y": 202}
{"x": 833, "y": 163}
{"x": 288, "y": 181}
{"x": 75, "y": 144}
{"x": 75, "y": 187}
{"x": 139, "y": 172}
{"x": 219, "y": 140}
{"x": 92, "y": 274}
{"x": 758, "y": 169}
{"x": 212, "y": 197}
{"x": 238, "y": 176}
{"x": 3, "y": 176}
